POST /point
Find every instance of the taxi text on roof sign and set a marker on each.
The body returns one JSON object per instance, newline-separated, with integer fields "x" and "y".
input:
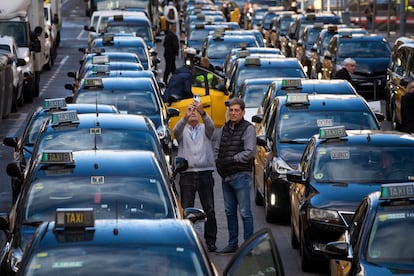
{"x": 74, "y": 217}
{"x": 64, "y": 116}
{"x": 95, "y": 82}
{"x": 100, "y": 59}
{"x": 57, "y": 157}
{"x": 297, "y": 98}
{"x": 332, "y": 132}
{"x": 54, "y": 103}
{"x": 291, "y": 83}
{"x": 397, "y": 191}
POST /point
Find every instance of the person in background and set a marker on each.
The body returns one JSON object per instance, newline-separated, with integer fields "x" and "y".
{"x": 179, "y": 85}
{"x": 348, "y": 68}
{"x": 407, "y": 109}
{"x": 194, "y": 144}
{"x": 369, "y": 13}
{"x": 171, "y": 49}
{"x": 235, "y": 151}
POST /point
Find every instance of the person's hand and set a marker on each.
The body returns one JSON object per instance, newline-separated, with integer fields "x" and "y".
{"x": 199, "y": 107}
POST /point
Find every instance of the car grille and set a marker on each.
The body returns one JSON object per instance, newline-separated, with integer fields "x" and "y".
{"x": 346, "y": 217}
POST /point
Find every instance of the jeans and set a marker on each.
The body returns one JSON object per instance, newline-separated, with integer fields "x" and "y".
{"x": 203, "y": 182}
{"x": 236, "y": 192}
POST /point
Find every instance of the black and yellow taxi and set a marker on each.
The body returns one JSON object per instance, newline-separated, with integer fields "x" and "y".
{"x": 283, "y": 131}
{"x": 398, "y": 75}
{"x": 283, "y": 86}
{"x": 377, "y": 241}
{"x": 130, "y": 95}
{"x": 262, "y": 67}
{"x": 23, "y": 145}
{"x": 372, "y": 54}
{"x": 217, "y": 46}
{"x": 338, "y": 168}
{"x": 76, "y": 243}
{"x": 124, "y": 184}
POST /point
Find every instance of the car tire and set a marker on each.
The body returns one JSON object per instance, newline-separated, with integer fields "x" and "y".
{"x": 305, "y": 260}
{"x": 294, "y": 242}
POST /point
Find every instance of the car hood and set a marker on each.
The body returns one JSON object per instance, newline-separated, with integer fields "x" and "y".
{"x": 386, "y": 268}
{"x": 341, "y": 196}
{"x": 371, "y": 67}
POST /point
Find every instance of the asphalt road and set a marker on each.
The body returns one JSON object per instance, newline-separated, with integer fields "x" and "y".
{"x": 52, "y": 85}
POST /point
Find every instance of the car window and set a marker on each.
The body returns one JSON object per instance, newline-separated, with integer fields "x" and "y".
{"x": 110, "y": 196}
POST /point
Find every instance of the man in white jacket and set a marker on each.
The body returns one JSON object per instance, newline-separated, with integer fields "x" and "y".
{"x": 194, "y": 144}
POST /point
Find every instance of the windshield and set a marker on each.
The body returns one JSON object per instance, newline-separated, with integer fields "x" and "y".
{"x": 253, "y": 94}
{"x": 16, "y": 30}
{"x": 105, "y": 138}
{"x": 220, "y": 49}
{"x": 126, "y": 197}
{"x": 312, "y": 121}
{"x": 388, "y": 242}
{"x": 367, "y": 164}
{"x": 139, "y": 30}
{"x": 130, "y": 102}
{"x": 364, "y": 49}
{"x": 133, "y": 259}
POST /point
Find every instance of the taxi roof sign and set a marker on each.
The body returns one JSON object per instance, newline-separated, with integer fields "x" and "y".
{"x": 100, "y": 59}
{"x": 74, "y": 218}
{"x": 397, "y": 191}
{"x": 102, "y": 69}
{"x": 89, "y": 83}
{"x": 64, "y": 117}
{"x": 297, "y": 98}
{"x": 243, "y": 53}
{"x": 55, "y": 103}
{"x": 199, "y": 26}
{"x": 57, "y": 157}
{"x": 252, "y": 61}
{"x": 291, "y": 83}
{"x": 332, "y": 132}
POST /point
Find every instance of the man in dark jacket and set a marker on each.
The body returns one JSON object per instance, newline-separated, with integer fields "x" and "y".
{"x": 171, "y": 48}
{"x": 345, "y": 72}
{"x": 179, "y": 86}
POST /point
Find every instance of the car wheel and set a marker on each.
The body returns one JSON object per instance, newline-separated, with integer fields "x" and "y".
{"x": 294, "y": 242}
{"x": 305, "y": 260}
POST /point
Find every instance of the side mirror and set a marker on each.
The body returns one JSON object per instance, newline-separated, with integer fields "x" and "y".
{"x": 69, "y": 99}
{"x": 21, "y": 62}
{"x": 258, "y": 118}
{"x": 404, "y": 81}
{"x": 71, "y": 74}
{"x": 173, "y": 112}
{"x": 13, "y": 170}
{"x": 10, "y": 142}
{"x": 180, "y": 164}
{"x": 69, "y": 86}
{"x": 195, "y": 215}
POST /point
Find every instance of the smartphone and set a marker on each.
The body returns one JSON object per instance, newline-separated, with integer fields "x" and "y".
{"x": 197, "y": 98}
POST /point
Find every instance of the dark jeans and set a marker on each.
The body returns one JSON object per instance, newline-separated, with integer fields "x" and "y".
{"x": 203, "y": 182}
{"x": 169, "y": 68}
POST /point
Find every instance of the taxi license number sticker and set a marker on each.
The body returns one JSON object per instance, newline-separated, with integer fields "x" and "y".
{"x": 41, "y": 254}
{"x": 339, "y": 155}
{"x": 97, "y": 179}
{"x": 95, "y": 130}
{"x": 385, "y": 217}
{"x": 324, "y": 122}
{"x": 285, "y": 117}
{"x": 39, "y": 186}
{"x": 67, "y": 264}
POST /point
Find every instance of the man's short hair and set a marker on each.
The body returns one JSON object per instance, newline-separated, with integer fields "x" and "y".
{"x": 234, "y": 101}
{"x": 349, "y": 61}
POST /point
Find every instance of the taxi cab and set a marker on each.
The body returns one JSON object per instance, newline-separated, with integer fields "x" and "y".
{"x": 130, "y": 95}
{"x": 128, "y": 44}
{"x": 209, "y": 86}
{"x": 283, "y": 132}
{"x": 217, "y": 46}
{"x": 337, "y": 170}
{"x": 377, "y": 242}
{"x": 116, "y": 184}
{"x": 23, "y": 145}
{"x": 76, "y": 243}
{"x": 266, "y": 67}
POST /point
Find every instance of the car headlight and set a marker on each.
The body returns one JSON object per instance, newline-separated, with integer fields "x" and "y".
{"x": 27, "y": 59}
{"x": 324, "y": 215}
{"x": 280, "y": 166}
{"x": 162, "y": 132}
{"x": 15, "y": 259}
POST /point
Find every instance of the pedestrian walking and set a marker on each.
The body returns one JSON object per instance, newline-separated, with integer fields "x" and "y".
{"x": 348, "y": 68}
{"x": 407, "y": 109}
{"x": 195, "y": 145}
{"x": 369, "y": 13}
{"x": 171, "y": 48}
{"x": 235, "y": 151}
